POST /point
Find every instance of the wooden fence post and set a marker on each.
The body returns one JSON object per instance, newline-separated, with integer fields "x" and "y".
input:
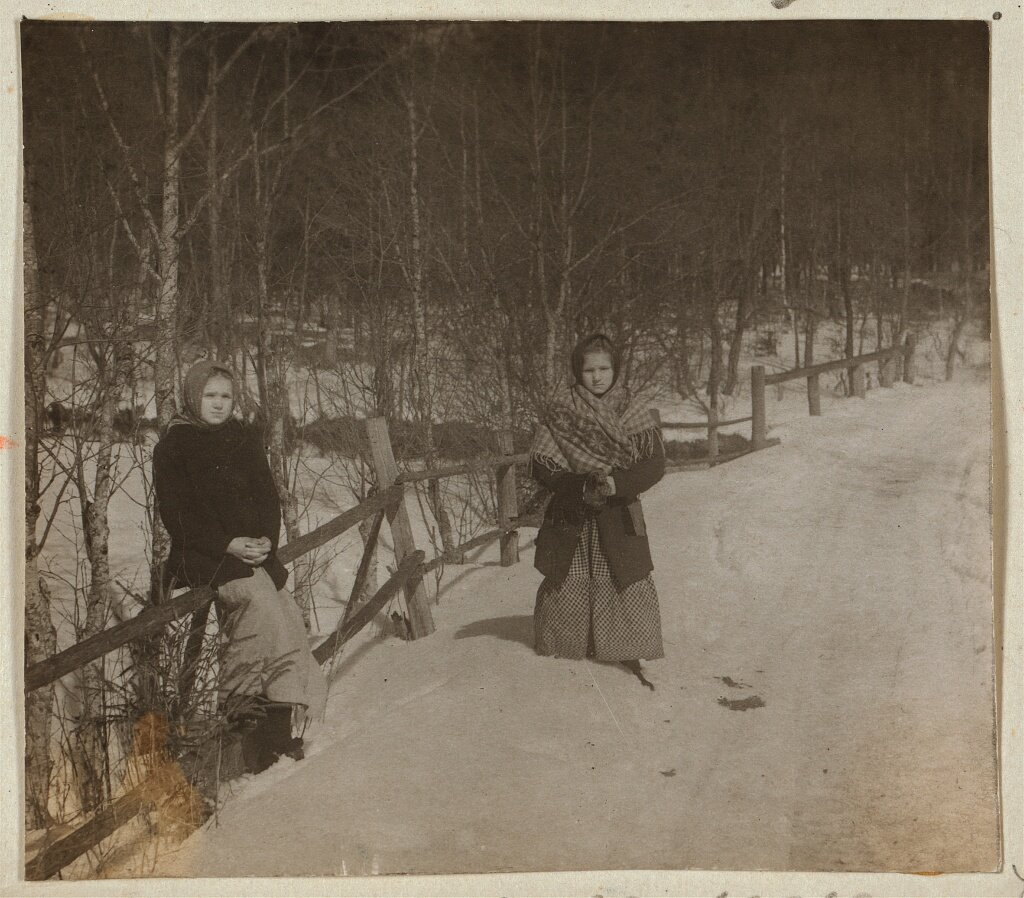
{"x": 758, "y": 426}
{"x": 508, "y": 503}
{"x": 885, "y": 371}
{"x": 908, "y": 358}
{"x": 857, "y": 379}
{"x": 420, "y": 619}
{"x": 814, "y": 395}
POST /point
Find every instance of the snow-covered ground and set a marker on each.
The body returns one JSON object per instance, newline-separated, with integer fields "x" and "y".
{"x": 836, "y": 587}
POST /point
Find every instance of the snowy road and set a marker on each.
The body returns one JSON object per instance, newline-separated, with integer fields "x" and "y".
{"x": 836, "y": 587}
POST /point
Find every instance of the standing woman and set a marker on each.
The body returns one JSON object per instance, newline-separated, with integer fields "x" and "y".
{"x": 597, "y": 451}
{"x": 219, "y": 503}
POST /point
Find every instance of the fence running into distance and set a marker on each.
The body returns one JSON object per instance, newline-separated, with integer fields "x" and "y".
{"x": 392, "y": 501}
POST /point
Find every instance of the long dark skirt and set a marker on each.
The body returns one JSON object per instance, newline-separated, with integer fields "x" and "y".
{"x": 587, "y": 615}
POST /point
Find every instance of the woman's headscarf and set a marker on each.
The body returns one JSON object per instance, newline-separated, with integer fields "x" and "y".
{"x": 584, "y": 433}
{"x": 192, "y": 393}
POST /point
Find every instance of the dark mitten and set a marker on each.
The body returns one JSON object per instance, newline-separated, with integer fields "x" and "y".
{"x": 568, "y": 505}
{"x": 596, "y": 491}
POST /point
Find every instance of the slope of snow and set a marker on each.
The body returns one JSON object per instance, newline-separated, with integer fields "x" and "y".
{"x": 837, "y": 587}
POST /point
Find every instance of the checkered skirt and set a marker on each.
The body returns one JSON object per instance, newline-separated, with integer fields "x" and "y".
{"x": 587, "y": 615}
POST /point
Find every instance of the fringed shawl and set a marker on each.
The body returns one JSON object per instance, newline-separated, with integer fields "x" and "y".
{"x": 584, "y": 433}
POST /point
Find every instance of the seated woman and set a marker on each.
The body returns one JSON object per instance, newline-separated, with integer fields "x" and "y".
{"x": 218, "y": 501}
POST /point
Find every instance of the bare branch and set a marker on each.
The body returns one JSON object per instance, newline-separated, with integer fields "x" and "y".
{"x": 179, "y": 146}
{"x": 143, "y": 255}
{"x": 122, "y": 145}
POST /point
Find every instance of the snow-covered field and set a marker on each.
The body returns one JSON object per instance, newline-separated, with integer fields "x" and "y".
{"x": 836, "y": 587}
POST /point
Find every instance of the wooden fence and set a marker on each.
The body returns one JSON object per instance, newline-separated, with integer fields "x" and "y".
{"x": 856, "y": 366}
{"x": 392, "y": 502}
{"x": 711, "y": 427}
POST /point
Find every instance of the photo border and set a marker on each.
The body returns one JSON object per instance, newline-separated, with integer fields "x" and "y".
{"x": 1007, "y": 212}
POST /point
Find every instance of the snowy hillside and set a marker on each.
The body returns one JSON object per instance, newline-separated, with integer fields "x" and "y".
{"x": 828, "y": 628}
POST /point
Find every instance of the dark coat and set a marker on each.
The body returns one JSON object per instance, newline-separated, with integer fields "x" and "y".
{"x": 213, "y": 486}
{"x": 620, "y": 522}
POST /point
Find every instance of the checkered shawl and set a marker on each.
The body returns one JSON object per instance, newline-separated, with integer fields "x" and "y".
{"x": 584, "y": 433}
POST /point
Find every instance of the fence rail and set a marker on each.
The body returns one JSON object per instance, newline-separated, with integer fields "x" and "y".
{"x": 55, "y": 856}
{"x": 701, "y": 425}
{"x": 472, "y": 467}
{"x": 835, "y": 365}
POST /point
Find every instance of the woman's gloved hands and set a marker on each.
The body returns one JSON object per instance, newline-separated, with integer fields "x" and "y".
{"x": 597, "y": 488}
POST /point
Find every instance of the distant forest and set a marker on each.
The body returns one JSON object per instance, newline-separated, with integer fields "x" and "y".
{"x": 497, "y": 189}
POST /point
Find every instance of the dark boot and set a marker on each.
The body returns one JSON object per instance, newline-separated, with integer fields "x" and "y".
{"x": 279, "y": 732}
{"x": 265, "y": 729}
{"x": 257, "y": 751}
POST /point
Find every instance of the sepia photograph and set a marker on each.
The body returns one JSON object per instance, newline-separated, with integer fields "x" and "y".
{"x": 473, "y": 447}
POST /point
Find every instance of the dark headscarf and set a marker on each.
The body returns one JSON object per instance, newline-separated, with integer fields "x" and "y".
{"x": 192, "y": 393}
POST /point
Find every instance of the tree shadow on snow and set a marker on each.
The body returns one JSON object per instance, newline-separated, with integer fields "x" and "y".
{"x": 512, "y": 628}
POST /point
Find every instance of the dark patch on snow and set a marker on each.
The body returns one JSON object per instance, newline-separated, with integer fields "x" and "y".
{"x": 733, "y": 684}
{"x": 695, "y": 450}
{"x": 514, "y": 628}
{"x": 741, "y": 704}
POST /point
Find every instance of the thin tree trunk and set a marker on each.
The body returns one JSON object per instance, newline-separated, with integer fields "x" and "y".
{"x": 537, "y": 229}
{"x": 40, "y": 635}
{"x": 743, "y": 306}
{"x": 878, "y": 286}
{"x": 965, "y": 298}
{"x": 216, "y": 324}
{"x": 275, "y": 403}
{"x": 905, "y": 295}
{"x": 783, "y": 260}
{"x": 503, "y": 347}
{"x": 714, "y": 380}
{"x": 93, "y": 787}
{"x": 422, "y": 380}
{"x": 843, "y": 267}
{"x": 169, "y": 249}
{"x": 165, "y": 324}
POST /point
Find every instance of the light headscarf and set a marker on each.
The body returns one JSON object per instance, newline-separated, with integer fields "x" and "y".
{"x": 192, "y": 393}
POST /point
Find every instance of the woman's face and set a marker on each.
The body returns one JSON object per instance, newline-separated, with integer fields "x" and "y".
{"x": 597, "y": 374}
{"x": 218, "y": 400}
